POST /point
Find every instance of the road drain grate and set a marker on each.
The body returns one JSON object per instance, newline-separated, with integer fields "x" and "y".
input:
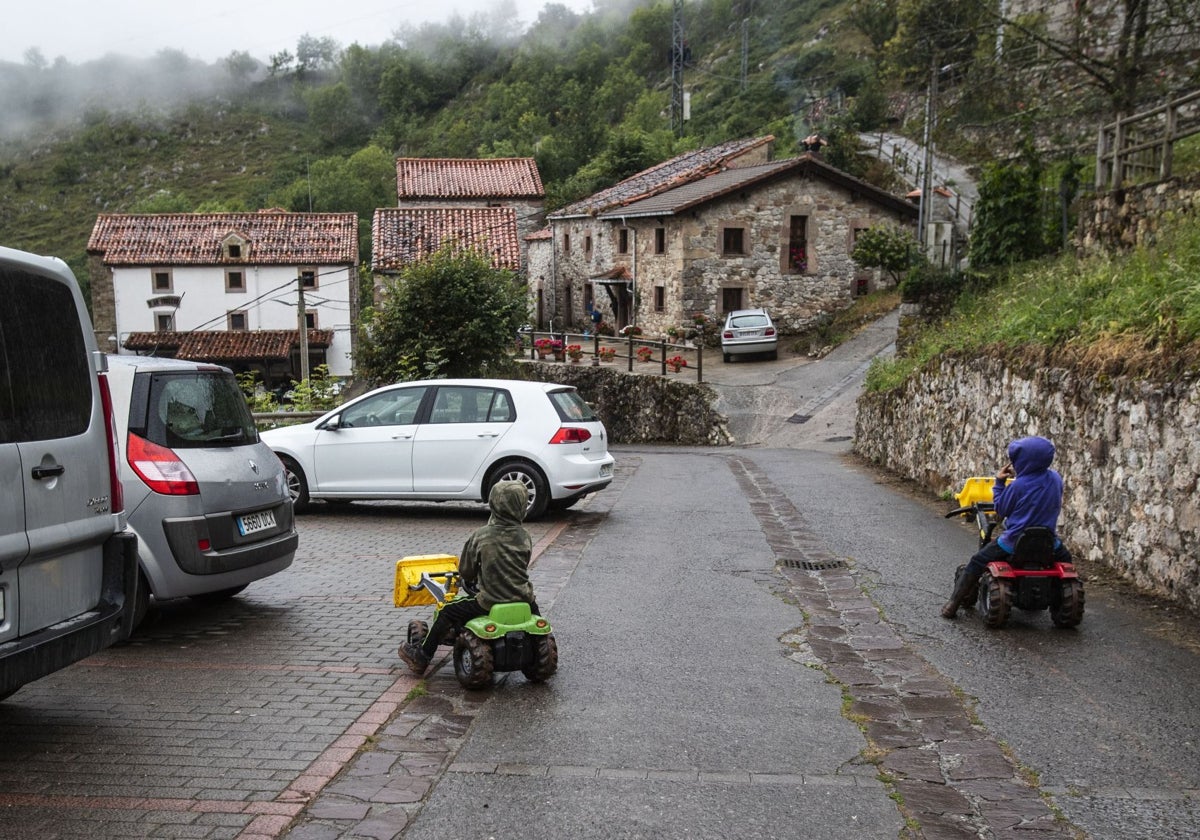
{"x": 813, "y": 565}
{"x": 799, "y": 418}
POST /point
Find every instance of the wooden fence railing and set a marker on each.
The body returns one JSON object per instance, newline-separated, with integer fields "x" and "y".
{"x": 1140, "y": 147}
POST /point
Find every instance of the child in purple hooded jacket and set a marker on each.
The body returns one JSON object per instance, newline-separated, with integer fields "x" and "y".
{"x": 1034, "y": 497}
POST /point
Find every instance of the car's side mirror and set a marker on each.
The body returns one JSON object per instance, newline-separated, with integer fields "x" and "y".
{"x": 333, "y": 423}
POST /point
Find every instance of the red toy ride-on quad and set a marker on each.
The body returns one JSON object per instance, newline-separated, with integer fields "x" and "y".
{"x": 1030, "y": 579}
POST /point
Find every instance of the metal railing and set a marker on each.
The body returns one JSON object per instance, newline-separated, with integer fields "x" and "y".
{"x": 629, "y": 350}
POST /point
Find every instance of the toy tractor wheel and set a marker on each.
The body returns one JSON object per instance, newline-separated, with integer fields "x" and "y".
{"x": 545, "y": 659}
{"x": 473, "y": 663}
{"x": 995, "y": 600}
{"x": 1067, "y": 611}
{"x": 417, "y": 630}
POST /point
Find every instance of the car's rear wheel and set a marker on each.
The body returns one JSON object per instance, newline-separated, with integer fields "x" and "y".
{"x": 297, "y": 484}
{"x": 529, "y": 475}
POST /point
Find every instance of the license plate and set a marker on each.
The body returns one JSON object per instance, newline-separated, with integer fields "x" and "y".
{"x": 252, "y": 523}
{"x": 751, "y": 333}
{"x": 605, "y": 470}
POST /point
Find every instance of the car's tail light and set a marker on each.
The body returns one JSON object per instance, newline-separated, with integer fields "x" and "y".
{"x": 160, "y": 468}
{"x": 116, "y": 492}
{"x": 727, "y": 334}
{"x": 571, "y": 434}
{"x": 769, "y": 331}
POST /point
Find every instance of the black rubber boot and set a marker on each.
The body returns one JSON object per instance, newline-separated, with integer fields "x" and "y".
{"x": 414, "y": 657}
{"x": 962, "y": 589}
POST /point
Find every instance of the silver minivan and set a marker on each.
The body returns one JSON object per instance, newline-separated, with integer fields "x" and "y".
{"x": 207, "y": 499}
{"x": 68, "y": 565}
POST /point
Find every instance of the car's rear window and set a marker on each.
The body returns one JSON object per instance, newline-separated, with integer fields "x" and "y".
{"x": 571, "y": 407}
{"x": 743, "y": 321}
{"x": 45, "y": 377}
{"x": 197, "y": 409}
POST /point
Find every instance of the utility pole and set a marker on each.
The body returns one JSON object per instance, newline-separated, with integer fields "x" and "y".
{"x": 926, "y": 205}
{"x": 678, "y": 52}
{"x": 302, "y": 318}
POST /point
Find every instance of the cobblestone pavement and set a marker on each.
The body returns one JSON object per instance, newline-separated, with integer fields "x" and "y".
{"x": 223, "y": 721}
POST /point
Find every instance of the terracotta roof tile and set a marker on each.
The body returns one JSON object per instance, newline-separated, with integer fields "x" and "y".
{"x": 679, "y": 170}
{"x": 226, "y": 346}
{"x": 273, "y": 237}
{"x": 403, "y": 235}
{"x": 420, "y": 179}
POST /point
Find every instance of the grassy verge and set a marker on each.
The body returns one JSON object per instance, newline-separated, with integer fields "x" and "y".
{"x": 1135, "y": 313}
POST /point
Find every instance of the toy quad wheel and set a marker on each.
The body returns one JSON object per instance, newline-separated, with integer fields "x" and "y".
{"x": 995, "y": 600}
{"x": 417, "y": 630}
{"x": 545, "y": 659}
{"x": 473, "y": 662}
{"x": 1067, "y": 610}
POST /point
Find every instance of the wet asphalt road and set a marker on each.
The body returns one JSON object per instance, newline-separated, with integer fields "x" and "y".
{"x": 709, "y": 686}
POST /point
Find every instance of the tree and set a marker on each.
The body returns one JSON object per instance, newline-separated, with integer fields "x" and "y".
{"x": 452, "y": 314}
{"x": 886, "y": 247}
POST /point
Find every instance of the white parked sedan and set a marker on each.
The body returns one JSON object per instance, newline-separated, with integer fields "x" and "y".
{"x": 449, "y": 439}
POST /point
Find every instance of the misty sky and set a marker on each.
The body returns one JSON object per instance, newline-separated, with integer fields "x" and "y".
{"x": 81, "y": 30}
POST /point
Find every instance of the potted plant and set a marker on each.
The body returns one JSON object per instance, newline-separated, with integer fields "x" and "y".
{"x": 575, "y": 352}
{"x": 606, "y": 354}
{"x": 644, "y": 354}
{"x": 676, "y": 363}
{"x": 543, "y": 346}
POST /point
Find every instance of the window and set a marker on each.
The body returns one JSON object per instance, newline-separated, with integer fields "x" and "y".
{"x": 235, "y": 252}
{"x": 623, "y": 241}
{"x": 587, "y": 244}
{"x": 733, "y": 242}
{"x": 390, "y": 408}
{"x": 731, "y": 299}
{"x": 39, "y": 332}
{"x": 566, "y": 243}
{"x": 472, "y": 405}
{"x": 797, "y": 250}
{"x": 165, "y": 322}
{"x": 162, "y": 280}
{"x": 237, "y": 320}
{"x": 310, "y": 319}
{"x": 308, "y": 278}
{"x": 235, "y": 281}
{"x": 660, "y": 240}
{"x": 235, "y": 248}
{"x": 660, "y": 298}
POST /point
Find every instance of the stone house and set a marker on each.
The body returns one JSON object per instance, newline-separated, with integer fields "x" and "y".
{"x": 739, "y": 230}
{"x": 514, "y": 183}
{"x": 227, "y": 288}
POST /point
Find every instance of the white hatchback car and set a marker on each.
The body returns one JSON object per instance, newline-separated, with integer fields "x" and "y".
{"x": 449, "y": 439}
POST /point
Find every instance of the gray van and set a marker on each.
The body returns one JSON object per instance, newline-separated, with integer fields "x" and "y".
{"x": 68, "y": 565}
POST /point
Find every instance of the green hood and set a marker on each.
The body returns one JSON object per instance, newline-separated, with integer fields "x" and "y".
{"x": 508, "y": 501}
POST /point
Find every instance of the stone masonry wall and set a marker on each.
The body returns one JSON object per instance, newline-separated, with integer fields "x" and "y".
{"x": 1129, "y": 217}
{"x": 637, "y": 408}
{"x": 1128, "y": 450}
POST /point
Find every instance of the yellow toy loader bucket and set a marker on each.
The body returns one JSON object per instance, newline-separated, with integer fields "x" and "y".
{"x": 975, "y": 489}
{"x": 408, "y": 591}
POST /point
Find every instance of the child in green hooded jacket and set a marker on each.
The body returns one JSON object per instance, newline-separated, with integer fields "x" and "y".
{"x": 494, "y": 563}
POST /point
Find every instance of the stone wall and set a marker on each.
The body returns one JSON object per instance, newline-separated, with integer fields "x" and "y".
{"x": 637, "y": 408}
{"x": 1131, "y": 216}
{"x": 1128, "y": 450}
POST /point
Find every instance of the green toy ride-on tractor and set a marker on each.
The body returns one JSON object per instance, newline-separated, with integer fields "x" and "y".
{"x": 509, "y": 638}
